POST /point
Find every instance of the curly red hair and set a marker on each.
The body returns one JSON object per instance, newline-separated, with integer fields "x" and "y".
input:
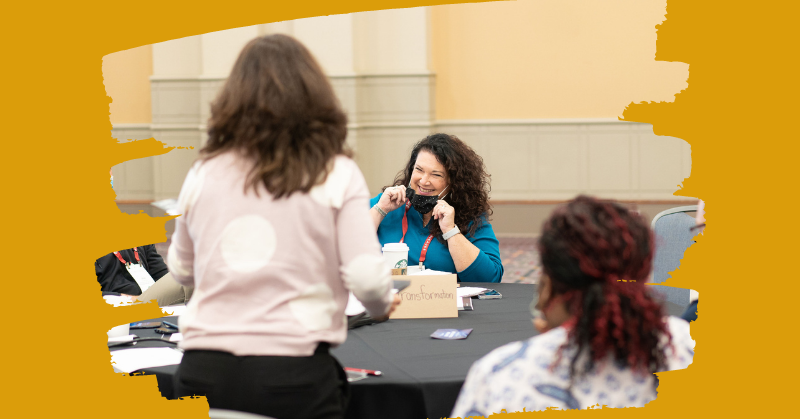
{"x": 598, "y": 256}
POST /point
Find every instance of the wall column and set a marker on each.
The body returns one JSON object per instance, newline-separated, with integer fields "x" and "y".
{"x": 395, "y": 87}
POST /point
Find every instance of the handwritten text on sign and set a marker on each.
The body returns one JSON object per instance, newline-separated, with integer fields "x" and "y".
{"x": 427, "y": 297}
{"x": 423, "y": 294}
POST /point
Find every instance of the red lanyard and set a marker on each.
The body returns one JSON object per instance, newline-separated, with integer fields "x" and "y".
{"x": 405, "y": 229}
{"x": 135, "y": 252}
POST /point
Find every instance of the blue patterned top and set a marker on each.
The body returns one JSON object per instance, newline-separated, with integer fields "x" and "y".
{"x": 518, "y": 376}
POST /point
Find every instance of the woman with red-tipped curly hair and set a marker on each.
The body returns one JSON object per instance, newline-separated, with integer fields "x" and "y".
{"x": 601, "y": 337}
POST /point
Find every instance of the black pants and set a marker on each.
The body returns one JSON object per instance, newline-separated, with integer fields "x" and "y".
{"x": 282, "y": 387}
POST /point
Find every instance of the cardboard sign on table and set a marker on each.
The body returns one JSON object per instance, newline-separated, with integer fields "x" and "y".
{"x": 428, "y": 297}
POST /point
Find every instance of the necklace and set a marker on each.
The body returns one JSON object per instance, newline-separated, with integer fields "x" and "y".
{"x": 426, "y": 219}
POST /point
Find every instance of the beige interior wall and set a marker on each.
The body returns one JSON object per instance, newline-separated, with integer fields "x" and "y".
{"x": 533, "y": 86}
{"x": 549, "y": 59}
{"x": 126, "y": 75}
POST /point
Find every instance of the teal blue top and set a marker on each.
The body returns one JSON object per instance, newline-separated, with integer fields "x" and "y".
{"x": 487, "y": 267}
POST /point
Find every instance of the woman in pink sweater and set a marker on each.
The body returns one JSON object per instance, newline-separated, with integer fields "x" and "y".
{"x": 275, "y": 230}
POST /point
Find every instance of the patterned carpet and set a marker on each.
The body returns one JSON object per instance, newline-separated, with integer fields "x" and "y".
{"x": 519, "y": 256}
{"x": 520, "y": 260}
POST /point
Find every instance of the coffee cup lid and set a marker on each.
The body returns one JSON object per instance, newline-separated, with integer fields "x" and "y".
{"x": 395, "y": 247}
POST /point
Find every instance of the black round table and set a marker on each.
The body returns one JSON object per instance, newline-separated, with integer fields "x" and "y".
{"x": 421, "y": 375}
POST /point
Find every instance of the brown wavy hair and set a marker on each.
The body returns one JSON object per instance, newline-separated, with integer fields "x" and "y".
{"x": 278, "y": 109}
{"x": 469, "y": 182}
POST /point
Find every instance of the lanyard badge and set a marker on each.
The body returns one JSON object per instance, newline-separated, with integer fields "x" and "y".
{"x": 424, "y": 251}
{"x": 137, "y": 271}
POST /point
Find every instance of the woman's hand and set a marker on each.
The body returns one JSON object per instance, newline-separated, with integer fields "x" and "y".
{"x": 461, "y": 249}
{"x": 395, "y": 302}
{"x": 392, "y": 198}
{"x": 445, "y": 214}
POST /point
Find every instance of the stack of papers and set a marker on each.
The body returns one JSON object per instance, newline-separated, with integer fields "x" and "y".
{"x": 127, "y": 338}
{"x": 470, "y": 291}
{"x": 354, "y": 307}
{"x": 130, "y": 360}
{"x": 430, "y": 272}
{"x": 170, "y": 206}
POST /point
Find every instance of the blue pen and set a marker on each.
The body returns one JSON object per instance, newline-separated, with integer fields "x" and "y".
{"x": 170, "y": 325}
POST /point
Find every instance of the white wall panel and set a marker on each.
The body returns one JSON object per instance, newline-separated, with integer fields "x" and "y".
{"x": 508, "y": 161}
{"x": 559, "y": 164}
{"x": 220, "y": 49}
{"x": 169, "y": 170}
{"x": 607, "y": 158}
{"x": 382, "y": 152}
{"x": 660, "y": 162}
{"x": 178, "y": 57}
{"x": 406, "y": 98}
{"x": 330, "y": 39}
{"x": 609, "y": 161}
{"x": 133, "y": 179}
{"x": 176, "y": 101}
{"x": 392, "y": 41}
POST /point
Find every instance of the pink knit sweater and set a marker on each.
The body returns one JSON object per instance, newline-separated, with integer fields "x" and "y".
{"x": 271, "y": 277}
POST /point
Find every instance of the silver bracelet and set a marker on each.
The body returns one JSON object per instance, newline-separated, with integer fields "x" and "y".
{"x": 380, "y": 211}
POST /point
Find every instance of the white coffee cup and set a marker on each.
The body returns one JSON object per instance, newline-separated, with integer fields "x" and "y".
{"x": 121, "y": 330}
{"x": 396, "y": 256}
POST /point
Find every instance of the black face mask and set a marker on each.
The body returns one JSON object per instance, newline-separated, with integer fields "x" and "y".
{"x": 422, "y": 203}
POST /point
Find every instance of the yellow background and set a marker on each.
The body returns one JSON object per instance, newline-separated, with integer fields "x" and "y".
{"x": 584, "y": 59}
{"x": 59, "y": 213}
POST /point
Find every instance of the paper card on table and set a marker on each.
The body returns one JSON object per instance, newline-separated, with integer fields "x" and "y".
{"x": 170, "y": 206}
{"x": 451, "y": 334}
{"x": 176, "y": 337}
{"x": 470, "y": 291}
{"x": 130, "y": 360}
{"x": 354, "y": 306}
{"x": 355, "y": 376}
{"x": 117, "y": 300}
{"x": 428, "y": 296}
{"x": 126, "y": 338}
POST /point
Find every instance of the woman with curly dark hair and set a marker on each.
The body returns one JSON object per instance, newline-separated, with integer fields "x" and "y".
{"x": 601, "y": 334}
{"x": 273, "y": 236}
{"x": 442, "y": 193}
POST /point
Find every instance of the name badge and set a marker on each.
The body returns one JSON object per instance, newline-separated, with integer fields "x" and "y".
{"x": 140, "y": 275}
